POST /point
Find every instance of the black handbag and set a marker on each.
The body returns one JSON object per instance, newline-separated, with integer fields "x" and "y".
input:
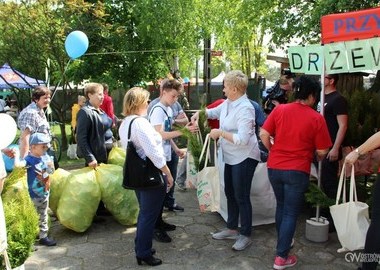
{"x": 139, "y": 173}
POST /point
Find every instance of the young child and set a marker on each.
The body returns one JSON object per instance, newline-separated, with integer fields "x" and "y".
{"x": 39, "y": 166}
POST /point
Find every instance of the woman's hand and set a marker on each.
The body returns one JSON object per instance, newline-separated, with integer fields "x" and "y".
{"x": 93, "y": 164}
{"x": 215, "y": 133}
{"x": 351, "y": 158}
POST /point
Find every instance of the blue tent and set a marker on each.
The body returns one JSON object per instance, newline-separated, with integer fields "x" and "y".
{"x": 11, "y": 78}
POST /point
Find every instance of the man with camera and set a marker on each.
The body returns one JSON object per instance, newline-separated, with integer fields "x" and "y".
{"x": 280, "y": 92}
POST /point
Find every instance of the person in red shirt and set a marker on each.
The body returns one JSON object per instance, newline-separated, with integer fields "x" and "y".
{"x": 214, "y": 123}
{"x": 299, "y": 132}
{"x": 107, "y": 105}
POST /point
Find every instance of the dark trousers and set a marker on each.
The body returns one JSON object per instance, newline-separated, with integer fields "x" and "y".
{"x": 329, "y": 177}
{"x": 169, "y": 200}
{"x": 237, "y": 187}
{"x": 173, "y": 164}
{"x": 372, "y": 242}
{"x": 150, "y": 203}
{"x": 329, "y": 183}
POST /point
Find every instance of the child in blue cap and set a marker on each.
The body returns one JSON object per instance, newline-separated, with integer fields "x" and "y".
{"x": 39, "y": 166}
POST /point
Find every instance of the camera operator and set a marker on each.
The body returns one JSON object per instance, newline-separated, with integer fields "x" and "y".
{"x": 280, "y": 92}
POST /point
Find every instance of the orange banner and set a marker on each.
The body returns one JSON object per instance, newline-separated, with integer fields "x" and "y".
{"x": 360, "y": 24}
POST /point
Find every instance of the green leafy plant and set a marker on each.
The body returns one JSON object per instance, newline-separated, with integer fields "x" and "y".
{"x": 194, "y": 145}
{"x": 20, "y": 216}
{"x": 315, "y": 196}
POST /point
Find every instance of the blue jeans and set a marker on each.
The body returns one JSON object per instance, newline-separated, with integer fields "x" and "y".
{"x": 289, "y": 187}
{"x": 173, "y": 164}
{"x": 150, "y": 203}
{"x": 237, "y": 187}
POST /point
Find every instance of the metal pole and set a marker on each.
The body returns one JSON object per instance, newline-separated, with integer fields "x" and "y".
{"x": 322, "y": 111}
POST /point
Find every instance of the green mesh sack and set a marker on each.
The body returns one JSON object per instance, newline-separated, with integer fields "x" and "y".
{"x": 122, "y": 203}
{"x": 58, "y": 181}
{"x": 117, "y": 156}
{"x": 79, "y": 200}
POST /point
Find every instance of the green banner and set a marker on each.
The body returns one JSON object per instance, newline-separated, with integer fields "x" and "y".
{"x": 342, "y": 57}
{"x": 374, "y": 47}
{"x": 335, "y": 58}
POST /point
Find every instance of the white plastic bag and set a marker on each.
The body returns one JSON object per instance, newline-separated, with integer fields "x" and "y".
{"x": 191, "y": 169}
{"x": 350, "y": 218}
{"x": 208, "y": 187}
{"x": 72, "y": 151}
{"x": 262, "y": 196}
{"x": 191, "y": 172}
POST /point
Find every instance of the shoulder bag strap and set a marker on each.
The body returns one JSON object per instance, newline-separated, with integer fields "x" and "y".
{"x": 129, "y": 128}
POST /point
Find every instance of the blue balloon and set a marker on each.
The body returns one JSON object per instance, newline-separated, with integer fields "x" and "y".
{"x": 76, "y": 44}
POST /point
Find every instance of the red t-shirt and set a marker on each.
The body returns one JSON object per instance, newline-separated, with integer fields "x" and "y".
{"x": 298, "y": 131}
{"x": 107, "y": 106}
{"x": 214, "y": 123}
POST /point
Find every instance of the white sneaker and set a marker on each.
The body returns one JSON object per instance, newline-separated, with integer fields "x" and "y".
{"x": 226, "y": 234}
{"x": 242, "y": 242}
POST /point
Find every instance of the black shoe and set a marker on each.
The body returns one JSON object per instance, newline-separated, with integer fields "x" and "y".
{"x": 47, "y": 242}
{"x": 161, "y": 236}
{"x": 166, "y": 226}
{"x": 152, "y": 261}
{"x": 153, "y": 251}
{"x": 176, "y": 207}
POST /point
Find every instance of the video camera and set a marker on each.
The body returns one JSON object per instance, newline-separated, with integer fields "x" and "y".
{"x": 287, "y": 73}
{"x": 276, "y": 92}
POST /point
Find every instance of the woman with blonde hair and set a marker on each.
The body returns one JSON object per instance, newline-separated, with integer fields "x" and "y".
{"x": 148, "y": 143}
{"x": 240, "y": 151}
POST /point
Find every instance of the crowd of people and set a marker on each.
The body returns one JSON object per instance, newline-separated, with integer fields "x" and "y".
{"x": 293, "y": 133}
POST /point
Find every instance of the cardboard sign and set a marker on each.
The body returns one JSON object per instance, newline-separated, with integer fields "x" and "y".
{"x": 347, "y": 26}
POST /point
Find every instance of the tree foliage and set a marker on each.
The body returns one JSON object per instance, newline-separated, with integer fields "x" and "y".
{"x": 299, "y": 21}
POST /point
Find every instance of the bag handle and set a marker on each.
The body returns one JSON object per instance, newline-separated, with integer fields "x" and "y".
{"x": 208, "y": 157}
{"x": 199, "y": 136}
{"x": 353, "y": 192}
{"x": 342, "y": 184}
{"x": 206, "y": 150}
{"x": 204, "y": 147}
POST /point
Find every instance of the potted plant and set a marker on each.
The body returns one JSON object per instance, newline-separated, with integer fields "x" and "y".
{"x": 21, "y": 219}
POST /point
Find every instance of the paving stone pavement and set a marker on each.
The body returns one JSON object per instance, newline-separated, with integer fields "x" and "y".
{"x": 109, "y": 245}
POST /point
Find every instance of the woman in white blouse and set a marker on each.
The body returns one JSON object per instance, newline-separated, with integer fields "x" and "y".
{"x": 148, "y": 143}
{"x": 239, "y": 147}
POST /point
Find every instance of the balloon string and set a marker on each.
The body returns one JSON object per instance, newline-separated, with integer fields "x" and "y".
{"x": 48, "y": 111}
{"x": 64, "y": 72}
